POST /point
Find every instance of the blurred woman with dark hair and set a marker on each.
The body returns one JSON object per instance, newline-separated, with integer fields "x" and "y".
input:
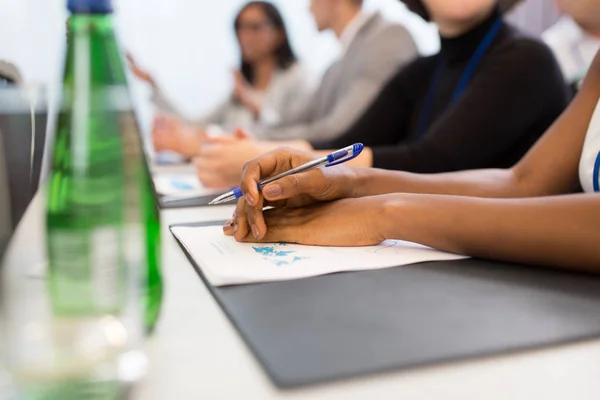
{"x": 269, "y": 84}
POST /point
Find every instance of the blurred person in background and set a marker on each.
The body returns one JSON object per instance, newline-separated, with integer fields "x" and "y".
{"x": 573, "y": 47}
{"x": 533, "y": 213}
{"x": 269, "y": 85}
{"x": 372, "y": 50}
{"x": 481, "y": 102}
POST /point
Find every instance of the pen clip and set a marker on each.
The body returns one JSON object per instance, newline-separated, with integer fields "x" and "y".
{"x": 344, "y": 155}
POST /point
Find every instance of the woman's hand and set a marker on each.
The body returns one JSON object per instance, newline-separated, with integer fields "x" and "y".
{"x": 243, "y": 91}
{"x": 308, "y": 188}
{"x": 139, "y": 72}
{"x": 171, "y": 134}
{"x": 348, "y": 222}
{"x": 220, "y": 161}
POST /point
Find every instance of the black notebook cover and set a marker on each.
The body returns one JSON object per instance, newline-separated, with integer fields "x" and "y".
{"x": 350, "y": 324}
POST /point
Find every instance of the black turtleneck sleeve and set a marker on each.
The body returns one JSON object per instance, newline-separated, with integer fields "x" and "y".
{"x": 514, "y": 96}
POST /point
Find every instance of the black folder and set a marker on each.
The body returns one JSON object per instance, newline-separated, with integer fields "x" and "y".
{"x": 200, "y": 201}
{"x": 345, "y": 325}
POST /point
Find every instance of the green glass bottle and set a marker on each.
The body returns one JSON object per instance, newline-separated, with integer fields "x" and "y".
{"x": 153, "y": 292}
{"x": 102, "y": 216}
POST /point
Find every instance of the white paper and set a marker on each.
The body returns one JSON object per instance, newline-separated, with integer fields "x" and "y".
{"x": 182, "y": 185}
{"x": 227, "y": 262}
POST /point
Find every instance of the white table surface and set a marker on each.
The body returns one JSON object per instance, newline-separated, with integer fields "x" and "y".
{"x": 196, "y": 353}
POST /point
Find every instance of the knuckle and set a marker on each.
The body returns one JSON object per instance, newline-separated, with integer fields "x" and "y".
{"x": 247, "y": 166}
{"x": 294, "y": 182}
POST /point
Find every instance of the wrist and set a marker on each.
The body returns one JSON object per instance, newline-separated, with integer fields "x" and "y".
{"x": 393, "y": 212}
{"x": 351, "y": 181}
{"x": 361, "y": 181}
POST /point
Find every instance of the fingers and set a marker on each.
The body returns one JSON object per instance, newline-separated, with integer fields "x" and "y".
{"x": 228, "y": 228}
{"x": 165, "y": 123}
{"x": 254, "y": 214}
{"x": 139, "y": 72}
{"x": 211, "y": 180}
{"x": 282, "y": 227}
{"x": 257, "y": 169}
{"x": 290, "y": 186}
{"x": 263, "y": 167}
{"x": 209, "y": 174}
{"x": 180, "y": 141}
{"x": 242, "y": 134}
{"x": 254, "y": 171}
{"x": 251, "y": 177}
{"x": 160, "y": 142}
{"x": 216, "y": 167}
{"x": 240, "y": 226}
{"x": 161, "y": 137}
{"x": 241, "y": 229}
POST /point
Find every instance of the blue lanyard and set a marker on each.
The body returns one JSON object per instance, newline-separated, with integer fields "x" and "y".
{"x": 596, "y": 174}
{"x": 464, "y": 79}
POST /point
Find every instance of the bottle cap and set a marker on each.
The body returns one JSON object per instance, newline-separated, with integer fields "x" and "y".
{"x": 90, "y": 6}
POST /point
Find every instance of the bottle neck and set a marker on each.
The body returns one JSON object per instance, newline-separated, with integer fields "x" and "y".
{"x": 92, "y": 47}
{"x": 84, "y": 22}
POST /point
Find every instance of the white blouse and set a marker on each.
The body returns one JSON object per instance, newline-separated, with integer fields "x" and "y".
{"x": 589, "y": 166}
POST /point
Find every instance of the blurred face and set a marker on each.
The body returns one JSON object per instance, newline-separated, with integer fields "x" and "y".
{"x": 585, "y": 12}
{"x": 458, "y": 11}
{"x": 257, "y": 37}
{"x": 323, "y": 12}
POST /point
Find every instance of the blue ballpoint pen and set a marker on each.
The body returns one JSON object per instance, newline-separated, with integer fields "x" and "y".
{"x": 335, "y": 158}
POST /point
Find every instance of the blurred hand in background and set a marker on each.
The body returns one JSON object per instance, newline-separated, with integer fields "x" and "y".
{"x": 172, "y": 134}
{"x": 139, "y": 72}
{"x": 220, "y": 161}
{"x": 243, "y": 91}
